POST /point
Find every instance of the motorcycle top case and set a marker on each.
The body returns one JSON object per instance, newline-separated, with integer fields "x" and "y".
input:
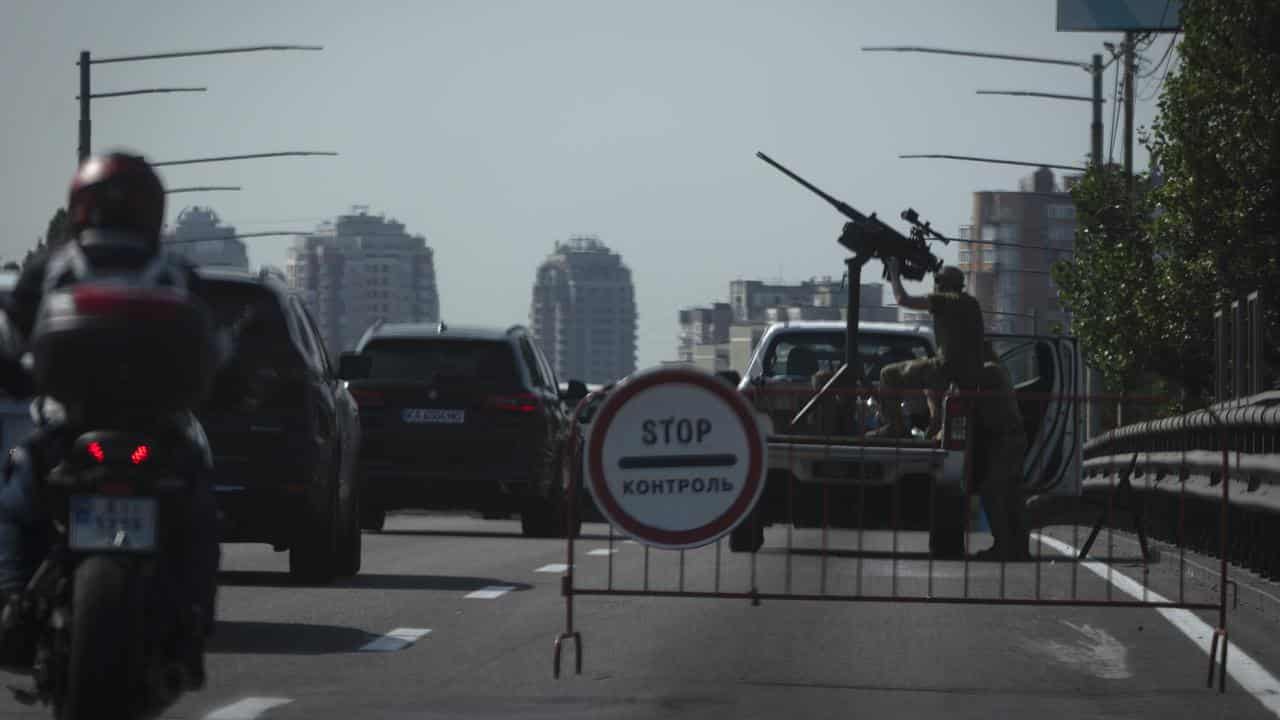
{"x": 124, "y": 340}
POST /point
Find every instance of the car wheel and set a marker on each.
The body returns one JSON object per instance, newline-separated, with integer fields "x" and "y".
{"x": 313, "y": 557}
{"x": 351, "y": 545}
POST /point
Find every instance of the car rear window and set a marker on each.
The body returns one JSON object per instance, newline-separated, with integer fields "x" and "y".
{"x": 477, "y": 362}
{"x": 797, "y": 356}
{"x": 265, "y": 340}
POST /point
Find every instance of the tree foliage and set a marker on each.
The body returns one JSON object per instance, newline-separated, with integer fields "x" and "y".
{"x": 1149, "y": 272}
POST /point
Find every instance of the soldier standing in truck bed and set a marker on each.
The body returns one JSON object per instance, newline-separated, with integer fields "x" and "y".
{"x": 957, "y": 328}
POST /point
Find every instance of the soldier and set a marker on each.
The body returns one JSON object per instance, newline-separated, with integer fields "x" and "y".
{"x": 957, "y": 326}
{"x": 1000, "y": 444}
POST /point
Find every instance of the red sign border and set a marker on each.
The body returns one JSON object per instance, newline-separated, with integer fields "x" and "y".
{"x": 754, "y": 484}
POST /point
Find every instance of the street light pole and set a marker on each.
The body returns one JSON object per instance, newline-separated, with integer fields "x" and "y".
{"x": 972, "y": 158}
{"x": 204, "y": 188}
{"x": 1094, "y": 68}
{"x": 252, "y": 156}
{"x": 1095, "y": 128}
{"x": 85, "y": 125}
{"x": 82, "y": 150}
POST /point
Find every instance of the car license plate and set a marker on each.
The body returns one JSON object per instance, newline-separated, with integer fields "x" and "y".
{"x": 421, "y": 416}
{"x": 99, "y": 522}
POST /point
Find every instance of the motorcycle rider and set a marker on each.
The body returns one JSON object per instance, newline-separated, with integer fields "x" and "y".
{"x": 116, "y": 209}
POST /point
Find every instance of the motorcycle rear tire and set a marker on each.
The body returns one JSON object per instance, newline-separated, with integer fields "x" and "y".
{"x": 105, "y": 667}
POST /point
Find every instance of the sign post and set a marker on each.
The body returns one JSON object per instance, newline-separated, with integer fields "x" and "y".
{"x": 675, "y": 458}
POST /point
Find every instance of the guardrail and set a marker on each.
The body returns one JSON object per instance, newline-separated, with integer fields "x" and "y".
{"x": 1177, "y": 469}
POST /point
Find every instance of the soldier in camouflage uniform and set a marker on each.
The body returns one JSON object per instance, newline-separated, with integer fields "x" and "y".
{"x": 957, "y": 326}
{"x": 1000, "y": 445}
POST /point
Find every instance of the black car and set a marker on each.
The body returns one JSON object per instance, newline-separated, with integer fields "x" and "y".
{"x": 284, "y": 430}
{"x": 460, "y": 418}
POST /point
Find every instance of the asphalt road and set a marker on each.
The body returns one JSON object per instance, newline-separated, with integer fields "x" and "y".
{"x": 455, "y": 616}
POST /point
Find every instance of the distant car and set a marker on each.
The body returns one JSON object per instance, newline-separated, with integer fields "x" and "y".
{"x": 460, "y": 418}
{"x": 284, "y": 431}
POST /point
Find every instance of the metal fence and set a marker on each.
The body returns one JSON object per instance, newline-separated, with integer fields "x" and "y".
{"x": 848, "y": 519}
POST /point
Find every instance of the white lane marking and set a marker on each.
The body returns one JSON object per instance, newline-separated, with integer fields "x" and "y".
{"x": 1096, "y": 652}
{"x": 489, "y": 593}
{"x": 601, "y": 552}
{"x": 397, "y": 639}
{"x": 247, "y": 709}
{"x": 1246, "y": 671}
{"x": 630, "y": 542}
{"x": 553, "y": 568}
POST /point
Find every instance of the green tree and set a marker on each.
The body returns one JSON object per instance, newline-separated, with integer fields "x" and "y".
{"x": 1218, "y": 141}
{"x": 1149, "y": 272}
{"x": 1103, "y": 285}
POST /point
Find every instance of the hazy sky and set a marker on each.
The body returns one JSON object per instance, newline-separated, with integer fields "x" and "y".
{"x": 498, "y": 128}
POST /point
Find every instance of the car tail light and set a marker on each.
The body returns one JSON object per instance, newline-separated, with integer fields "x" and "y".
{"x": 151, "y": 302}
{"x": 522, "y": 403}
{"x": 140, "y": 454}
{"x": 367, "y": 398}
{"x": 96, "y": 451}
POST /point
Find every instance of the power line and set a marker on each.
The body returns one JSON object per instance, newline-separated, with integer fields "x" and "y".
{"x": 1163, "y": 57}
{"x": 1168, "y": 62}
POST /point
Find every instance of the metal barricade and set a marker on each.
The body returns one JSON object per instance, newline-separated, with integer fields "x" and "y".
{"x": 899, "y": 520}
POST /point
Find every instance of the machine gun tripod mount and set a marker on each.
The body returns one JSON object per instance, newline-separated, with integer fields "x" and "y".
{"x": 868, "y": 238}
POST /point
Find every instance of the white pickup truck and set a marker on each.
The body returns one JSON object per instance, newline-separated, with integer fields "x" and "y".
{"x": 822, "y": 471}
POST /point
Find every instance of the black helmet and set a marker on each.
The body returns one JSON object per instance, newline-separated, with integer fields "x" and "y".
{"x": 949, "y": 279}
{"x": 116, "y": 197}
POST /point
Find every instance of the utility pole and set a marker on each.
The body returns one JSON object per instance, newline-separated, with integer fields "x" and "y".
{"x": 1129, "y": 50}
{"x": 1095, "y": 130}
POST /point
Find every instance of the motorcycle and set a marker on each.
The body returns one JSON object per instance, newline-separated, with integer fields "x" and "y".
{"x": 125, "y": 361}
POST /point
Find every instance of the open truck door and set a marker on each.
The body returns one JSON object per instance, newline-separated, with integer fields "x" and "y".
{"x": 1046, "y": 374}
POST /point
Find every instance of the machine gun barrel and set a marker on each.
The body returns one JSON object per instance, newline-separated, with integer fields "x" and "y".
{"x": 868, "y": 237}
{"x": 870, "y": 224}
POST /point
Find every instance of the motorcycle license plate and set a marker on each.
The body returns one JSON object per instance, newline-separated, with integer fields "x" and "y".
{"x": 119, "y": 524}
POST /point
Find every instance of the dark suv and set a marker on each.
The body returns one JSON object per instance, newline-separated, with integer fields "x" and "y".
{"x": 460, "y": 418}
{"x": 284, "y": 431}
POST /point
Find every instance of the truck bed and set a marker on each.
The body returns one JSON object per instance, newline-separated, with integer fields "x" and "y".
{"x": 852, "y": 461}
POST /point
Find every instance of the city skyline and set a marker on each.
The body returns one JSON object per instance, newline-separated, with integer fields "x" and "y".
{"x": 652, "y": 151}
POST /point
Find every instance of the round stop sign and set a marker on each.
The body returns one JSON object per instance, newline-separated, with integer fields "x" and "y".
{"x": 675, "y": 458}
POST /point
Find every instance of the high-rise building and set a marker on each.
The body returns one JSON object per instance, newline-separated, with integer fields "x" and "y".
{"x": 702, "y": 326}
{"x": 1012, "y": 283}
{"x": 815, "y": 299}
{"x": 360, "y": 269}
{"x": 723, "y": 336}
{"x": 584, "y": 312}
{"x": 201, "y": 238}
